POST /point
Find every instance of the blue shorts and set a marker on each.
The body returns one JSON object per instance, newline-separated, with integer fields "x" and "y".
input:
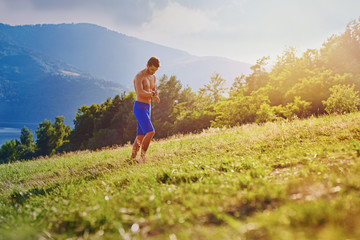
{"x": 142, "y": 113}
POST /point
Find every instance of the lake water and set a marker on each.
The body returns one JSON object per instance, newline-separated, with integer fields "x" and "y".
{"x": 9, "y": 131}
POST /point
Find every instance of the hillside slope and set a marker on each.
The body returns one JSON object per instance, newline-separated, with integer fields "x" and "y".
{"x": 115, "y": 56}
{"x": 34, "y": 87}
{"x": 283, "y": 180}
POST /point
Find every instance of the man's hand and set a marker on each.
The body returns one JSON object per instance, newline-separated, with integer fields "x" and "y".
{"x": 156, "y": 95}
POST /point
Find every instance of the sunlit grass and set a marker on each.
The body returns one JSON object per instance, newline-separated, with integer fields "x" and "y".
{"x": 282, "y": 180}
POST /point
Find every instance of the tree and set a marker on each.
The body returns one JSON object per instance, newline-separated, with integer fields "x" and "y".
{"x": 284, "y": 75}
{"x": 43, "y": 134}
{"x": 27, "y": 146}
{"x": 314, "y": 87}
{"x": 124, "y": 121}
{"x": 299, "y": 108}
{"x": 61, "y": 133}
{"x": 343, "y": 99}
{"x": 114, "y": 118}
{"x": 215, "y": 87}
{"x": 169, "y": 92}
{"x": 265, "y": 113}
{"x": 239, "y": 109}
{"x": 342, "y": 52}
{"x": 18, "y": 150}
{"x": 26, "y": 137}
{"x": 102, "y": 138}
{"x": 50, "y": 137}
{"x": 10, "y": 152}
{"x": 259, "y": 77}
{"x": 84, "y": 125}
{"x": 238, "y": 86}
{"x": 195, "y": 114}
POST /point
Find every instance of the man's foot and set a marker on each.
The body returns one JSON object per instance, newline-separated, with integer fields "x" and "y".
{"x": 143, "y": 158}
{"x": 132, "y": 161}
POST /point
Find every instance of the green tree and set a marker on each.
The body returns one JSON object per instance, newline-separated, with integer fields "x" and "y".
{"x": 238, "y": 86}
{"x": 114, "y": 117}
{"x": 265, "y": 113}
{"x": 343, "y": 99}
{"x": 10, "y": 152}
{"x": 43, "y": 134}
{"x": 50, "y": 137}
{"x": 259, "y": 77}
{"x": 169, "y": 93}
{"x": 299, "y": 108}
{"x": 124, "y": 121}
{"x": 102, "y": 138}
{"x": 27, "y": 146}
{"x": 341, "y": 52}
{"x": 106, "y": 112}
{"x": 215, "y": 88}
{"x": 26, "y": 137}
{"x": 314, "y": 87}
{"x": 84, "y": 125}
{"x": 194, "y": 115}
{"x": 239, "y": 109}
{"x": 284, "y": 75}
{"x": 60, "y": 135}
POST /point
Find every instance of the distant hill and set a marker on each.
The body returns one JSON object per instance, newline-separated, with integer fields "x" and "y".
{"x": 48, "y": 70}
{"x": 34, "y": 87}
{"x": 117, "y": 57}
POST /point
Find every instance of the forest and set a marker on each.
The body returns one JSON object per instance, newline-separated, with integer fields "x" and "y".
{"x": 319, "y": 81}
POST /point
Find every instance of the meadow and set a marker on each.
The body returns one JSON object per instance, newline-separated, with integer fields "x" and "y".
{"x": 281, "y": 180}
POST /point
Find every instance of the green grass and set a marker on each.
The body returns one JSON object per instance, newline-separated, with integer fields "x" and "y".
{"x": 285, "y": 180}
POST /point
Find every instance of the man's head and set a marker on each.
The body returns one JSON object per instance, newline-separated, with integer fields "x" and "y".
{"x": 153, "y": 65}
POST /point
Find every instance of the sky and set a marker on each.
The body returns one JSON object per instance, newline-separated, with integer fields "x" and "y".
{"x": 242, "y": 30}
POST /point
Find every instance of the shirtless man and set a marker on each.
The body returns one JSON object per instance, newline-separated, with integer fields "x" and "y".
{"x": 144, "y": 84}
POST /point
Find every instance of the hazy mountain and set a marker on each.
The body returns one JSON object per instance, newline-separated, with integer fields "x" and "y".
{"x": 117, "y": 57}
{"x": 34, "y": 87}
{"x": 49, "y": 70}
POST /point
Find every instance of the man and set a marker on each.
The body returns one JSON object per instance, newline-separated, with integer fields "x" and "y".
{"x": 144, "y": 84}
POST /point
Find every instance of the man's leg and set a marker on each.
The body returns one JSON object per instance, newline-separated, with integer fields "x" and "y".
{"x": 145, "y": 145}
{"x": 137, "y": 143}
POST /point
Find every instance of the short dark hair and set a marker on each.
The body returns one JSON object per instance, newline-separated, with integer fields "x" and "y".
{"x": 154, "y": 61}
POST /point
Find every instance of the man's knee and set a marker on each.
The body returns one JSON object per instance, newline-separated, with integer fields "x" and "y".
{"x": 139, "y": 139}
{"x": 152, "y": 133}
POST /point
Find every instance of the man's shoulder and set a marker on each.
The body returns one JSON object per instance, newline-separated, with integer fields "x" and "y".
{"x": 139, "y": 75}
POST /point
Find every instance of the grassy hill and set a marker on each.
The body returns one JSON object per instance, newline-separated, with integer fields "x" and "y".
{"x": 284, "y": 180}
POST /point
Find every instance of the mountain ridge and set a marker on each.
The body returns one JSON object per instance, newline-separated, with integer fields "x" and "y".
{"x": 108, "y": 53}
{"x": 52, "y": 69}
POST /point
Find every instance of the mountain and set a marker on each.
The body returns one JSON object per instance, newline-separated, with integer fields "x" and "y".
{"x": 117, "y": 57}
{"x": 34, "y": 87}
{"x": 49, "y": 70}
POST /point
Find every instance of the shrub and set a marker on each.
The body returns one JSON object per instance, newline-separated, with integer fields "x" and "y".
{"x": 102, "y": 138}
{"x": 343, "y": 99}
{"x": 265, "y": 114}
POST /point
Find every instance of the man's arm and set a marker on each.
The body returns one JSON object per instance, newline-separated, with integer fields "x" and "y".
{"x": 156, "y": 94}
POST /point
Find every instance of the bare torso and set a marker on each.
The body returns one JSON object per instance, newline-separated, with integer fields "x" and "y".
{"x": 144, "y": 83}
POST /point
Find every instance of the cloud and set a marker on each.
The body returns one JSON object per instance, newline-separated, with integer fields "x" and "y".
{"x": 125, "y": 12}
{"x": 177, "y": 20}
{"x": 239, "y": 29}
